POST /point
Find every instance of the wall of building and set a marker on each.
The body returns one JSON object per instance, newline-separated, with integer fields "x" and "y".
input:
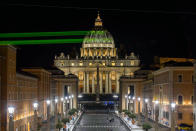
{"x": 8, "y": 81}
{"x": 27, "y": 87}
{"x": 184, "y": 88}
{"x": 44, "y": 83}
{"x": 167, "y": 88}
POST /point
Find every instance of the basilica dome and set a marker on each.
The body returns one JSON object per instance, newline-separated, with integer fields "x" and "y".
{"x": 98, "y": 43}
{"x": 98, "y": 37}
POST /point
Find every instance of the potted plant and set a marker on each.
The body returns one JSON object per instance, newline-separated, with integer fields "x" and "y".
{"x": 124, "y": 112}
{"x": 146, "y": 126}
{"x": 59, "y": 125}
{"x": 132, "y": 116}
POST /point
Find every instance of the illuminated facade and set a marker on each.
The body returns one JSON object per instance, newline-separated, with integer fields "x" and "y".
{"x": 18, "y": 90}
{"x": 44, "y": 83}
{"x": 174, "y": 84}
{"x": 98, "y": 50}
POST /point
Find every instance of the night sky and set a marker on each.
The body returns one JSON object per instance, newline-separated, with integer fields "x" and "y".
{"x": 159, "y": 29}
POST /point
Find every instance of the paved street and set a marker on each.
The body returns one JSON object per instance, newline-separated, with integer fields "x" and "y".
{"x": 100, "y": 122}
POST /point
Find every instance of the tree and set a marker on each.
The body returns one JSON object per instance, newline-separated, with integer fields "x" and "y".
{"x": 38, "y": 126}
{"x": 132, "y": 116}
{"x": 59, "y": 125}
{"x": 65, "y": 120}
{"x": 146, "y": 126}
{"x": 71, "y": 112}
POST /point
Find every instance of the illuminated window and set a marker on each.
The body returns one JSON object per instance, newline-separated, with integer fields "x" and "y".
{"x": 103, "y": 63}
{"x": 179, "y": 116}
{"x": 180, "y": 100}
{"x": 80, "y": 75}
{"x": 113, "y": 75}
{"x": 132, "y": 62}
{"x": 72, "y": 64}
{"x": 132, "y": 74}
{"x": 179, "y": 78}
{"x": 121, "y": 64}
{"x": 90, "y": 64}
{"x": 103, "y": 76}
{"x": 81, "y": 64}
{"x": 113, "y": 64}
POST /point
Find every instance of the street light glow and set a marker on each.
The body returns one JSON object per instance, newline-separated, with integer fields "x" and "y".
{"x": 138, "y": 98}
{"x": 48, "y": 102}
{"x": 79, "y": 96}
{"x": 134, "y": 98}
{"x": 115, "y": 96}
{"x": 173, "y": 105}
{"x": 62, "y": 99}
{"x": 146, "y": 100}
{"x": 125, "y": 96}
{"x": 66, "y": 98}
{"x": 72, "y": 96}
{"x": 11, "y": 110}
{"x": 129, "y": 97}
{"x": 35, "y": 105}
{"x": 56, "y": 100}
{"x": 156, "y": 102}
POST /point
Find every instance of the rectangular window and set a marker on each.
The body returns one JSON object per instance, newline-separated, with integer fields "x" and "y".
{"x": 179, "y": 116}
{"x": 192, "y": 78}
{"x": 179, "y": 78}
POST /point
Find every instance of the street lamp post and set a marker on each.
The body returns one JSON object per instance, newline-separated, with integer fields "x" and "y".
{"x": 70, "y": 102}
{"x": 129, "y": 103}
{"x": 156, "y": 115}
{"x": 48, "y": 114}
{"x": 72, "y": 96}
{"x": 133, "y": 105}
{"x": 56, "y": 112}
{"x": 11, "y": 118}
{"x": 173, "y": 105}
{"x": 139, "y": 117}
{"x": 126, "y": 102}
{"x": 66, "y": 108}
{"x": 62, "y": 102}
{"x": 146, "y": 110}
{"x": 35, "y": 106}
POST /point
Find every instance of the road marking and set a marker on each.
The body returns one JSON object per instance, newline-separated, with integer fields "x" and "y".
{"x": 96, "y": 126}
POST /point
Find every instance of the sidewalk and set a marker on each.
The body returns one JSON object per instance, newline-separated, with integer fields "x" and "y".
{"x": 128, "y": 123}
{"x": 152, "y": 123}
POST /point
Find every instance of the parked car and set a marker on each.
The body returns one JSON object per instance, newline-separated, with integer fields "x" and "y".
{"x": 184, "y": 127}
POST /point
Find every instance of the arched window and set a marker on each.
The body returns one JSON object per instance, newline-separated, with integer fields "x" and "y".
{"x": 180, "y": 99}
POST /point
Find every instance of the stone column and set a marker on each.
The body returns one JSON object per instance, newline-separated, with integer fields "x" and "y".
{"x": 101, "y": 85}
{"x": 87, "y": 84}
{"x": 117, "y": 83}
{"x": 84, "y": 86}
{"x": 93, "y": 84}
{"x": 106, "y": 82}
{"x": 11, "y": 123}
{"x": 110, "y": 83}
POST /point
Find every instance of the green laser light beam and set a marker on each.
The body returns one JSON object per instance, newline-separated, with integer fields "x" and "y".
{"x": 39, "y": 34}
{"x": 34, "y": 42}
